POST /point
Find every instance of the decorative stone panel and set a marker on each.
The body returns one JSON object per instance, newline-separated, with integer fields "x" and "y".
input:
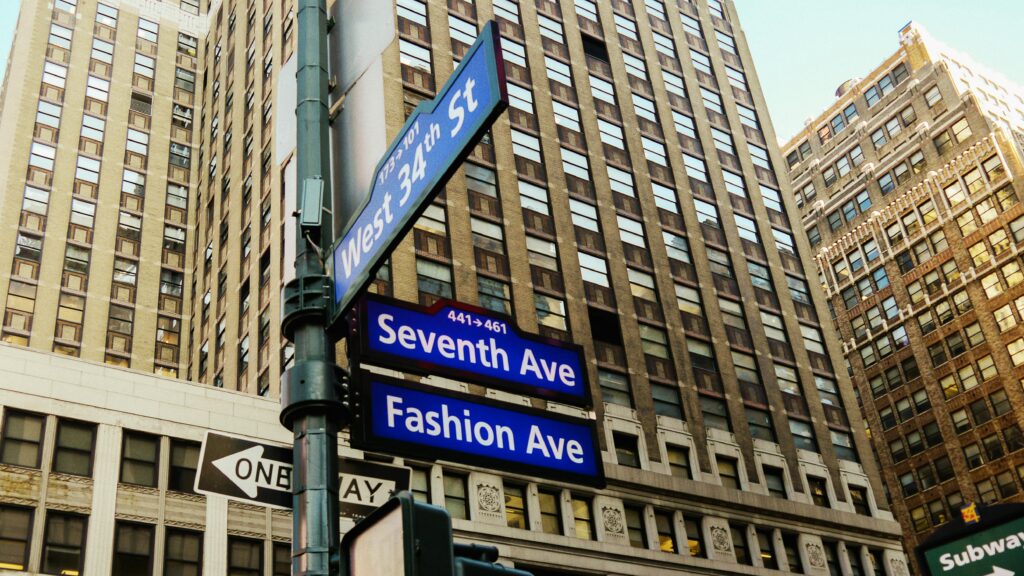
{"x": 486, "y": 499}
{"x": 610, "y": 520}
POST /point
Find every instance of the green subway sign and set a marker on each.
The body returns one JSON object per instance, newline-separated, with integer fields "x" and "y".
{"x": 996, "y": 549}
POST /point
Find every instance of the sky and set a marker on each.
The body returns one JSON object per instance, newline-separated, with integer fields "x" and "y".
{"x": 804, "y": 49}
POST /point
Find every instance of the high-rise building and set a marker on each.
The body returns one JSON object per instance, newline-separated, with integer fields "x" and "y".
{"x": 909, "y": 190}
{"x": 628, "y": 201}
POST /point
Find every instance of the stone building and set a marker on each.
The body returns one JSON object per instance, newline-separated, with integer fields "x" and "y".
{"x": 628, "y": 201}
{"x": 909, "y": 190}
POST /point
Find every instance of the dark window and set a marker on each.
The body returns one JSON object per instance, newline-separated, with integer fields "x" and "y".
{"x": 73, "y": 452}
{"x": 775, "y": 481}
{"x": 455, "y": 496}
{"x": 139, "y": 461}
{"x": 635, "y": 526}
{"x": 184, "y": 461}
{"x": 133, "y": 550}
{"x": 15, "y": 534}
{"x": 739, "y": 544}
{"x": 767, "y": 549}
{"x": 183, "y": 555}
{"x": 679, "y": 461}
{"x": 583, "y": 518}
{"x": 550, "y": 515}
{"x": 832, "y": 559}
{"x": 420, "y": 485}
{"x": 666, "y": 531}
{"x": 282, "y": 559}
{"x": 64, "y": 543}
{"x": 245, "y": 557}
{"x": 626, "y": 450}
{"x": 789, "y": 542}
{"x": 728, "y": 471}
{"x": 22, "y": 439}
{"x": 694, "y": 540}
{"x": 859, "y": 498}
{"x": 515, "y": 507}
{"x": 819, "y": 490}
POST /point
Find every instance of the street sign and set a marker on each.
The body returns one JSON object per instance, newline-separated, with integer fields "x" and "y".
{"x": 365, "y": 486}
{"x": 418, "y": 421}
{"x": 262, "y": 474}
{"x": 468, "y": 343}
{"x": 245, "y": 470}
{"x": 430, "y": 147}
{"x": 992, "y": 545}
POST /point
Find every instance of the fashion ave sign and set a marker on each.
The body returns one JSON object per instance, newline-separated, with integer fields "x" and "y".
{"x": 413, "y": 420}
{"x": 468, "y": 343}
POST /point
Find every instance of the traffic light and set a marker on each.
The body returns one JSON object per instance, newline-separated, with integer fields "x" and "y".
{"x": 408, "y": 538}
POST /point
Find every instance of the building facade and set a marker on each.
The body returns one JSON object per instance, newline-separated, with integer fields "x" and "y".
{"x": 628, "y": 202}
{"x": 909, "y": 190}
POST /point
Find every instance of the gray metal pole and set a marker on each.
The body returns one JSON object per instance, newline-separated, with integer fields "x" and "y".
{"x": 311, "y": 390}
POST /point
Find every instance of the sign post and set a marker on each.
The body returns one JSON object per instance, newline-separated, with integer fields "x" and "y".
{"x": 430, "y": 147}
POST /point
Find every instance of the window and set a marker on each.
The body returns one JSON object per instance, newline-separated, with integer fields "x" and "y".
{"x": 133, "y": 549}
{"x": 282, "y": 559}
{"x": 583, "y": 519}
{"x": 635, "y": 526}
{"x": 615, "y": 388}
{"x": 550, "y": 511}
{"x": 627, "y": 451}
{"x": 15, "y": 535}
{"x": 73, "y": 452}
{"x": 148, "y": 30}
{"x": 728, "y": 471}
{"x": 819, "y": 491}
{"x": 774, "y": 480}
{"x": 63, "y": 543}
{"x": 22, "y": 440}
{"x": 694, "y": 539}
{"x": 679, "y": 461}
{"x": 183, "y": 553}
{"x": 184, "y": 461}
{"x": 455, "y": 500}
{"x": 139, "y": 460}
{"x": 245, "y": 557}
{"x": 515, "y": 507}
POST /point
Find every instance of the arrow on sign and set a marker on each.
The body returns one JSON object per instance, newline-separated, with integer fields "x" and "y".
{"x": 250, "y": 471}
{"x": 997, "y": 571}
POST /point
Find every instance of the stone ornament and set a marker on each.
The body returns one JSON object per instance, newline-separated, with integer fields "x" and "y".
{"x": 489, "y": 498}
{"x": 899, "y": 568}
{"x": 720, "y": 539}
{"x": 815, "y": 555}
{"x": 613, "y": 521}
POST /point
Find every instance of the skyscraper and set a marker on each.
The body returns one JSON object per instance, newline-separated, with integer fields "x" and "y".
{"x": 909, "y": 190}
{"x": 627, "y": 202}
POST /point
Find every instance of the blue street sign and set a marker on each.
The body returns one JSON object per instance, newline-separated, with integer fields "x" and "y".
{"x": 418, "y": 421}
{"x": 432, "y": 144}
{"x": 471, "y": 344}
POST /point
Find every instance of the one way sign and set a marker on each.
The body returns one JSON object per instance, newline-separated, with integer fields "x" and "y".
{"x": 245, "y": 470}
{"x": 262, "y": 474}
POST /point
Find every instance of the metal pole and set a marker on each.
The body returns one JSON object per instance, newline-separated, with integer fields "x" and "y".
{"x": 311, "y": 390}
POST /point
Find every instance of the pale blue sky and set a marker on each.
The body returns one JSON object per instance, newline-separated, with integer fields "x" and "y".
{"x": 804, "y": 49}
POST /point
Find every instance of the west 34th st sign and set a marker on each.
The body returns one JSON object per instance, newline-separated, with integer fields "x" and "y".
{"x": 468, "y": 343}
{"x": 430, "y": 147}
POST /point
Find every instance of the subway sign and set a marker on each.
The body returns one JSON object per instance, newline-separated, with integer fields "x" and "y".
{"x": 414, "y": 420}
{"x": 471, "y": 344}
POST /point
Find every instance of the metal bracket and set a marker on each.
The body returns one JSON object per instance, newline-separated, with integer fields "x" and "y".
{"x": 301, "y": 298}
